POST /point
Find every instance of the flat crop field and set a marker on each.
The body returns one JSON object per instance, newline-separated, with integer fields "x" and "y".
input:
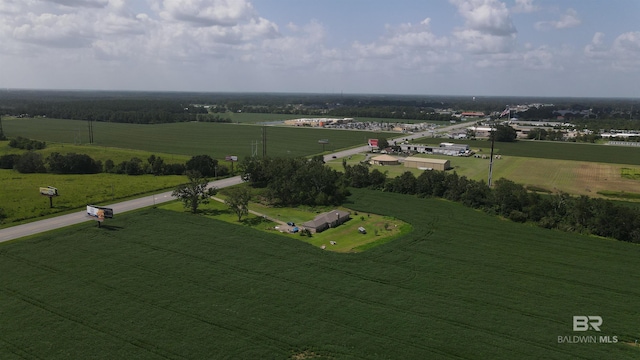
{"x": 157, "y": 284}
{"x": 193, "y": 138}
{"x": 557, "y": 150}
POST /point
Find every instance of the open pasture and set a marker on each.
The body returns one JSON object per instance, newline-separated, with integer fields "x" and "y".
{"x": 19, "y": 195}
{"x": 573, "y": 177}
{"x": 97, "y": 152}
{"x": 555, "y": 150}
{"x": 157, "y": 284}
{"x": 21, "y": 200}
{"x": 193, "y": 138}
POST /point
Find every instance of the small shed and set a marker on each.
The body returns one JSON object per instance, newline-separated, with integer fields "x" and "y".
{"x": 385, "y": 160}
{"x": 427, "y": 163}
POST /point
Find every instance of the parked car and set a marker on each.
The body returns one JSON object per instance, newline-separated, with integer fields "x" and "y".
{"x": 362, "y": 230}
{"x": 290, "y": 223}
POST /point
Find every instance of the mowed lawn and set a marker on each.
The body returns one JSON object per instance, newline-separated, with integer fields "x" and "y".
{"x": 557, "y": 150}
{"x": 157, "y": 284}
{"x": 194, "y": 138}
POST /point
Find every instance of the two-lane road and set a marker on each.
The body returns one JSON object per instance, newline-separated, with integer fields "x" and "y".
{"x": 57, "y": 222}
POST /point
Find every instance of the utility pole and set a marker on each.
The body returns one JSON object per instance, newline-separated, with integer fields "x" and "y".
{"x": 493, "y": 139}
{"x": 264, "y": 141}
{"x": 2, "y": 136}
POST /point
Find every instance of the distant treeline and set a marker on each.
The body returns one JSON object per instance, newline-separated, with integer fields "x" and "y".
{"x": 291, "y": 182}
{"x": 162, "y": 107}
{"x": 32, "y": 162}
{"x": 138, "y": 111}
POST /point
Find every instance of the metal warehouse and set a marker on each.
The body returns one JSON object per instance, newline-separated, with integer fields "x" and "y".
{"x": 426, "y": 163}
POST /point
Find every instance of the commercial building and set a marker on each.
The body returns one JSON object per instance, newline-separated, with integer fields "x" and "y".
{"x": 385, "y": 160}
{"x": 426, "y": 163}
{"x": 442, "y": 149}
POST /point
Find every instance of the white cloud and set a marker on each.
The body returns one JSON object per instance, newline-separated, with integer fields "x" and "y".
{"x": 486, "y": 16}
{"x": 82, "y": 3}
{"x": 207, "y": 12}
{"x": 570, "y": 19}
{"x": 63, "y": 31}
{"x": 626, "y": 51}
{"x": 524, "y": 6}
{"x": 488, "y": 26}
{"x": 597, "y": 48}
{"x": 621, "y": 55}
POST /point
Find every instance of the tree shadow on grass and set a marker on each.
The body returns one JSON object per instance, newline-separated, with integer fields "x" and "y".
{"x": 253, "y": 221}
{"x": 111, "y": 227}
{"x": 213, "y": 212}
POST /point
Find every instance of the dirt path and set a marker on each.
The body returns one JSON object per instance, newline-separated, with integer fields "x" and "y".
{"x": 282, "y": 223}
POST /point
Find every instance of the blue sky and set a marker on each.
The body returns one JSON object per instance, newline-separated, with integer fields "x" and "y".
{"x": 436, "y": 47}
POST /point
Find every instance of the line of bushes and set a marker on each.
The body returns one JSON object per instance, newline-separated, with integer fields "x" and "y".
{"x": 507, "y": 199}
{"x": 72, "y": 163}
{"x": 559, "y": 211}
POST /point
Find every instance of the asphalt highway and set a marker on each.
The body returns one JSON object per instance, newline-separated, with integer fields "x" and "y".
{"x": 57, "y": 222}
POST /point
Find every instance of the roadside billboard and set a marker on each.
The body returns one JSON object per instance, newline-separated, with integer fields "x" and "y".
{"x": 373, "y": 143}
{"x": 49, "y": 191}
{"x": 231, "y": 158}
{"x": 99, "y": 212}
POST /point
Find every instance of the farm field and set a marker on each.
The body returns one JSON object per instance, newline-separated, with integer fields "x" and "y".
{"x": 162, "y": 284}
{"x": 21, "y": 199}
{"x": 573, "y": 177}
{"x": 101, "y": 153}
{"x": 555, "y": 150}
{"x": 193, "y": 138}
{"x": 19, "y": 192}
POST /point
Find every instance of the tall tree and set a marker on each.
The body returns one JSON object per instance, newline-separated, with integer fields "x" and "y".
{"x": 194, "y": 192}
{"x": 238, "y": 201}
{"x": 204, "y": 164}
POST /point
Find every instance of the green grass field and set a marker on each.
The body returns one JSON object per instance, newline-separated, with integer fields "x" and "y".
{"x": 573, "y": 177}
{"x": 157, "y": 284}
{"x": 194, "y": 138}
{"x": 556, "y": 150}
{"x": 21, "y": 199}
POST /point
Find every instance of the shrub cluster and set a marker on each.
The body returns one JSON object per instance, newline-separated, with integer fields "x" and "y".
{"x": 72, "y": 163}
{"x": 26, "y": 144}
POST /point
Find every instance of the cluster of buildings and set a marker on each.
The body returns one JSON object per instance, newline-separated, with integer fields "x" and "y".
{"x": 445, "y": 148}
{"x": 318, "y": 122}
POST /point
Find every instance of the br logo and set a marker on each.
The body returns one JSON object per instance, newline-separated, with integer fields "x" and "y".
{"x": 585, "y": 323}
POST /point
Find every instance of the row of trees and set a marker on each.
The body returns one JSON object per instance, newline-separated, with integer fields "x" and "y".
{"x": 72, "y": 163}
{"x": 301, "y": 181}
{"x": 559, "y": 211}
